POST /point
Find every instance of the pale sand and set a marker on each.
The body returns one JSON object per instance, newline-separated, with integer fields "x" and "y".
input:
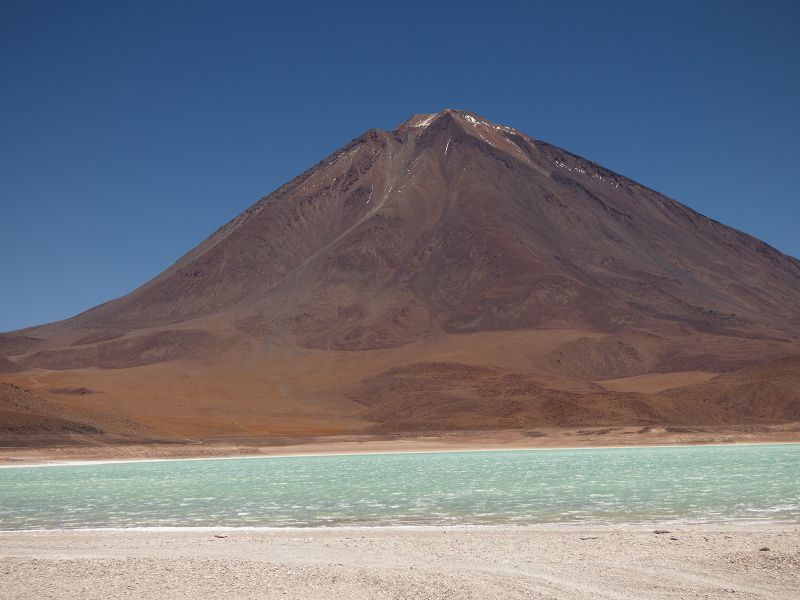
{"x": 364, "y": 563}
{"x": 654, "y": 383}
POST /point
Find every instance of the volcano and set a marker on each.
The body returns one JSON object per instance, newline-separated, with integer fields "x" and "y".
{"x": 452, "y": 274}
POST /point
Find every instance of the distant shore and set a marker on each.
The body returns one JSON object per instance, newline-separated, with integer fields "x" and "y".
{"x": 455, "y": 562}
{"x": 434, "y": 442}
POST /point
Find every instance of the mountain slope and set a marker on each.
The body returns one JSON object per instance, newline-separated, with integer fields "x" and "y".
{"x": 407, "y": 252}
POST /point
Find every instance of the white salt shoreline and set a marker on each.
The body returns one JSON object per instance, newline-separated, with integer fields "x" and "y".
{"x": 300, "y": 454}
{"x": 640, "y": 526}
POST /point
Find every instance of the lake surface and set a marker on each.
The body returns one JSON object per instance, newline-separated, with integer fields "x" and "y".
{"x": 705, "y": 484}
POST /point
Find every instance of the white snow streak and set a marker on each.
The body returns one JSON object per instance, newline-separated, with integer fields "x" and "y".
{"x": 581, "y": 171}
{"x": 425, "y": 122}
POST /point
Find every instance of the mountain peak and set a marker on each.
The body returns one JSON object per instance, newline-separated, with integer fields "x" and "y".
{"x": 463, "y": 116}
{"x": 451, "y": 124}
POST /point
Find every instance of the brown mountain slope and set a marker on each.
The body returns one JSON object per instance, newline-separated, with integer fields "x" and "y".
{"x": 26, "y": 418}
{"x": 768, "y": 391}
{"x": 450, "y": 274}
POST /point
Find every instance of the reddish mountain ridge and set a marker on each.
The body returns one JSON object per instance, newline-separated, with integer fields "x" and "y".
{"x": 450, "y": 274}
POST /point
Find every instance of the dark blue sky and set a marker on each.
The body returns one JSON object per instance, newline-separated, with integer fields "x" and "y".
{"x": 129, "y": 131}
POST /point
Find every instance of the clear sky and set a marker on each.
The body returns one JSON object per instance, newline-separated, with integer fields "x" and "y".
{"x": 129, "y": 131}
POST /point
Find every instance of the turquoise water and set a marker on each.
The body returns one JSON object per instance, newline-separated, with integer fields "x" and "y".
{"x": 589, "y": 486}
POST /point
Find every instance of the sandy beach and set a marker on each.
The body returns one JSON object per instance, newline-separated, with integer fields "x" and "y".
{"x": 371, "y": 563}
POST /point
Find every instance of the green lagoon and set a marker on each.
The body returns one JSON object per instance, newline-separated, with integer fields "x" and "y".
{"x": 694, "y": 484}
